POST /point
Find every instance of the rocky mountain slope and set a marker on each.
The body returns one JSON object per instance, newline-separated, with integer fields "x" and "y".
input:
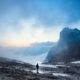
{"x": 67, "y": 48}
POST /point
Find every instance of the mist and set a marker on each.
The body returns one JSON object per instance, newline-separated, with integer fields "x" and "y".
{"x": 33, "y": 54}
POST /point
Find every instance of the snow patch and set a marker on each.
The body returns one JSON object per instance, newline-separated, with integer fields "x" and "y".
{"x": 61, "y": 74}
{"x": 50, "y": 66}
{"x": 75, "y": 62}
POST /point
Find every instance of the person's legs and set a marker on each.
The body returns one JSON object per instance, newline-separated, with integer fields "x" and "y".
{"x": 37, "y": 71}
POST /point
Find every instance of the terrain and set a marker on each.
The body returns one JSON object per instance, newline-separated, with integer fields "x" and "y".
{"x": 17, "y": 70}
{"x": 67, "y": 49}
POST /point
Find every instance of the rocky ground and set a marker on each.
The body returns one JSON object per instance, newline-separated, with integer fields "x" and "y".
{"x": 18, "y": 71}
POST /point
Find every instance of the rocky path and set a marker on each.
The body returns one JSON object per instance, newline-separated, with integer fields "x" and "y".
{"x": 46, "y": 72}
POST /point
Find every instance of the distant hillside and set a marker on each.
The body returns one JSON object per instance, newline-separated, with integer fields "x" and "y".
{"x": 34, "y": 49}
{"x": 67, "y": 48}
{"x": 11, "y": 62}
{"x": 27, "y": 54}
{"x": 38, "y": 48}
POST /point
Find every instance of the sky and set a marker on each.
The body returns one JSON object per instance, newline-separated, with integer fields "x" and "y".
{"x": 23, "y": 22}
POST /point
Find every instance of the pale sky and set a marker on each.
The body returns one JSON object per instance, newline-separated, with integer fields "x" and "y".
{"x": 23, "y": 22}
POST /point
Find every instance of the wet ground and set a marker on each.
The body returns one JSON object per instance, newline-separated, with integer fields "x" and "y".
{"x": 46, "y": 72}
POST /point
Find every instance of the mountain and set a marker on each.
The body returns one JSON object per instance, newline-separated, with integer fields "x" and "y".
{"x": 27, "y": 54}
{"x": 7, "y": 61}
{"x": 67, "y": 48}
{"x": 39, "y": 48}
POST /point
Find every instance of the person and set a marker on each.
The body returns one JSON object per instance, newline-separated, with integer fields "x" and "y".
{"x": 37, "y": 67}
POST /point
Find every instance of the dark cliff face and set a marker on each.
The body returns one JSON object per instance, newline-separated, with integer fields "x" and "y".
{"x": 67, "y": 48}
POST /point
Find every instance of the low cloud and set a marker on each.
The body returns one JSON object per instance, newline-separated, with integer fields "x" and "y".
{"x": 27, "y": 33}
{"x": 23, "y": 54}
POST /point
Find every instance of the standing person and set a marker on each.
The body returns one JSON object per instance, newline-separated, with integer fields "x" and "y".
{"x": 37, "y": 67}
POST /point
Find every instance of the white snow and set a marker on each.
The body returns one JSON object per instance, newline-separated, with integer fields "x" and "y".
{"x": 75, "y": 62}
{"x": 53, "y": 66}
{"x": 40, "y": 71}
{"x": 61, "y": 74}
{"x": 54, "y": 74}
{"x": 50, "y": 66}
{"x": 60, "y": 65}
{"x": 34, "y": 71}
